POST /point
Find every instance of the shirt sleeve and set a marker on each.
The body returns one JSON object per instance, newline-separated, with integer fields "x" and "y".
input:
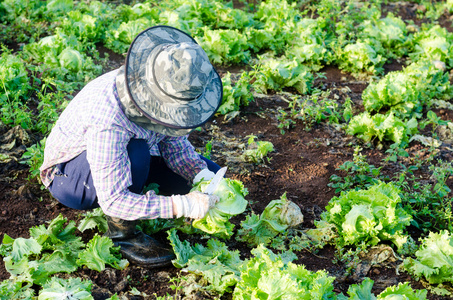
{"x": 181, "y": 157}
{"x": 111, "y": 170}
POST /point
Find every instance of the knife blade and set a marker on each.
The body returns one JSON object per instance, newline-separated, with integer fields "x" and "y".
{"x": 212, "y": 186}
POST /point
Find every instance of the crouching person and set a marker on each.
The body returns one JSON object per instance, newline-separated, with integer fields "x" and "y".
{"x": 128, "y": 128}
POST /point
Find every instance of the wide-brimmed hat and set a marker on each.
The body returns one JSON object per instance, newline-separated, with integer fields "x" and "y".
{"x": 169, "y": 79}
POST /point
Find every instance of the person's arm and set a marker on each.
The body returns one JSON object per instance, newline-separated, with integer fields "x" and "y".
{"x": 110, "y": 167}
{"x": 181, "y": 157}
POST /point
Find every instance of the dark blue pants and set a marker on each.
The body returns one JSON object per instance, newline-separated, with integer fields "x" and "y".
{"x": 73, "y": 183}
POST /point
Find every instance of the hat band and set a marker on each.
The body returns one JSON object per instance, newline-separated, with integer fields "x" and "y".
{"x": 158, "y": 85}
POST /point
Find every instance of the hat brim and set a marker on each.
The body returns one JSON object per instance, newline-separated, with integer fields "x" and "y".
{"x": 155, "y": 104}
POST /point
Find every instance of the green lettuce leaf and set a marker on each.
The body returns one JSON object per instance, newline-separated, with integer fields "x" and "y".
{"x": 271, "y": 276}
{"x": 402, "y": 291}
{"x": 434, "y": 259}
{"x": 232, "y": 202}
{"x": 72, "y": 288}
{"x": 214, "y": 262}
{"x": 370, "y": 216}
{"x": 99, "y": 252}
{"x": 94, "y": 218}
{"x": 277, "y": 216}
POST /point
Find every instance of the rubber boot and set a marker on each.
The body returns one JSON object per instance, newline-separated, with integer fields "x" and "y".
{"x": 136, "y": 246}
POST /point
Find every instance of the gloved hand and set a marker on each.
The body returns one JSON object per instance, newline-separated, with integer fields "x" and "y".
{"x": 194, "y": 205}
{"x": 204, "y": 174}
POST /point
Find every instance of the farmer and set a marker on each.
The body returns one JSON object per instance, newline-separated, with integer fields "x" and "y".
{"x": 128, "y": 128}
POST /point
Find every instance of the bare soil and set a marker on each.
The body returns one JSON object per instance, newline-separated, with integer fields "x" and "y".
{"x": 301, "y": 166}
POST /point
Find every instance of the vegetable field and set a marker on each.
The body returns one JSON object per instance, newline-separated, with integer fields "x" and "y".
{"x": 336, "y": 126}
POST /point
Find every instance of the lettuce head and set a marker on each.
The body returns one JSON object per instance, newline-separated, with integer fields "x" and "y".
{"x": 369, "y": 216}
{"x": 232, "y": 202}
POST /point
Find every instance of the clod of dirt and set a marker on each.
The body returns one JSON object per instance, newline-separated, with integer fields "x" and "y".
{"x": 121, "y": 286}
{"x": 99, "y": 293}
{"x": 24, "y": 192}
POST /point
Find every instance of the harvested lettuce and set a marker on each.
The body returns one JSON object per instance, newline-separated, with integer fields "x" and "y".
{"x": 232, "y": 202}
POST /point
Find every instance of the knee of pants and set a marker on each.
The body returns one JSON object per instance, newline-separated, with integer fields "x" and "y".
{"x": 140, "y": 159}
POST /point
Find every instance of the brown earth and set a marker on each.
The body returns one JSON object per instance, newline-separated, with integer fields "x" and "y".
{"x": 301, "y": 166}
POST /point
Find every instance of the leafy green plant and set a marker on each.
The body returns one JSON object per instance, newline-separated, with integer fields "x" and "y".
{"x": 278, "y": 73}
{"x": 236, "y": 95}
{"x": 433, "y": 261}
{"x": 359, "y": 174}
{"x": 232, "y": 202}
{"x": 360, "y": 59}
{"x": 270, "y": 276}
{"x": 50, "y": 105}
{"x": 34, "y": 157}
{"x": 310, "y": 44}
{"x": 49, "y": 250}
{"x": 430, "y": 204}
{"x": 62, "y": 58}
{"x": 381, "y": 128}
{"x": 119, "y": 39}
{"x": 257, "y": 150}
{"x": 433, "y": 120}
{"x": 99, "y": 252}
{"x": 93, "y": 219}
{"x": 434, "y": 43}
{"x": 225, "y": 46}
{"x": 277, "y": 216}
{"x": 313, "y": 109}
{"x": 390, "y": 32}
{"x": 406, "y": 92}
{"x": 14, "y": 90}
{"x": 400, "y": 291}
{"x": 215, "y": 262}
{"x": 71, "y": 288}
{"x": 371, "y": 215}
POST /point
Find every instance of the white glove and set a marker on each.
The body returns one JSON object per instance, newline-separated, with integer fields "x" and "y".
{"x": 194, "y": 205}
{"x": 204, "y": 174}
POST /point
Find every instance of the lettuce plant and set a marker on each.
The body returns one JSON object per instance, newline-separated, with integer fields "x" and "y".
{"x": 271, "y": 276}
{"x": 434, "y": 259}
{"x": 71, "y": 288}
{"x": 235, "y": 95}
{"x": 119, "y": 39}
{"x": 360, "y": 59}
{"x": 386, "y": 127}
{"x": 278, "y": 73}
{"x": 232, "y": 202}
{"x": 214, "y": 262}
{"x": 406, "y": 92}
{"x": 401, "y": 291}
{"x": 391, "y": 32}
{"x": 278, "y": 215}
{"x": 435, "y": 43}
{"x": 371, "y": 216}
{"x": 310, "y": 44}
{"x": 225, "y": 46}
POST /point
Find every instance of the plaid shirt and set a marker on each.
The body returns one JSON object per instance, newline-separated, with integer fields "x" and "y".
{"x": 94, "y": 122}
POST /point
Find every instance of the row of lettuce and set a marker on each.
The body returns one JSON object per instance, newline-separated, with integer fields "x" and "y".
{"x": 361, "y": 219}
{"x": 283, "y": 49}
{"x": 282, "y": 46}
